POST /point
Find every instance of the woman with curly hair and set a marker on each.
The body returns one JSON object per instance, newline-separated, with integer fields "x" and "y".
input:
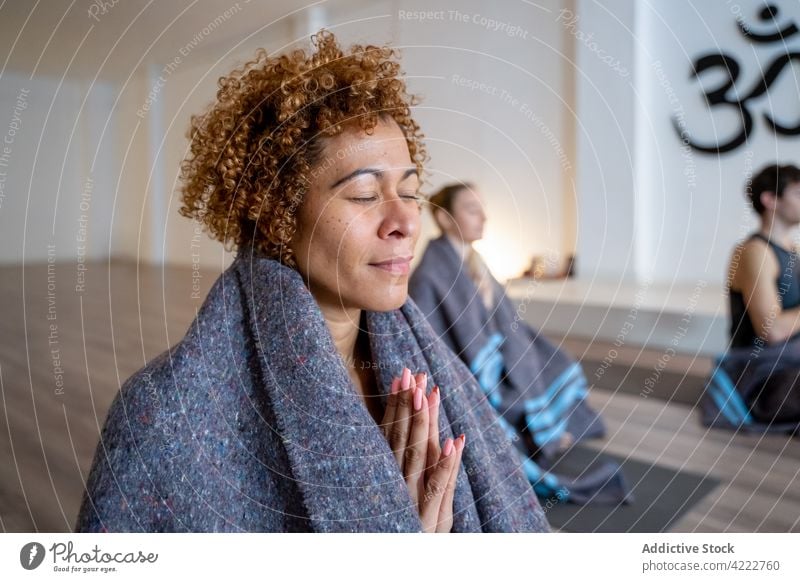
{"x": 290, "y": 404}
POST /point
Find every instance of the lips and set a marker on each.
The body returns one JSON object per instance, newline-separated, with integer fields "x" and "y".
{"x": 395, "y": 265}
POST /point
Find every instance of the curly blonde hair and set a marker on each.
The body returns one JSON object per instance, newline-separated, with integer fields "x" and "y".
{"x": 253, "y": 150}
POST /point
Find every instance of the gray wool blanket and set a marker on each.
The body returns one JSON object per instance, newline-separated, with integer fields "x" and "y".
{"x": 251, "y": 423}
{"x": 539, "y": 390}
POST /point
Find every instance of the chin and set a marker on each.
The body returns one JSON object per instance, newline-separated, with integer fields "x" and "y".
{"x": 388, "y": 301}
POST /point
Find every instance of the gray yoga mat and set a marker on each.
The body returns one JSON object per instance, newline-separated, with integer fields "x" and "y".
{"x": 660, "y": 497}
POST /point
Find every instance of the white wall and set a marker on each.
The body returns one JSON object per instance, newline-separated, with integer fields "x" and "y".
{"x": 60, "y": 169}
{"x": 662, "y": 210}
{"x": 496, "y": 112}
{"x": 605, "y": 133}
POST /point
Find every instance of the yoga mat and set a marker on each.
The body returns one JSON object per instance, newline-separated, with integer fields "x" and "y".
{"x": 660, "y": 496}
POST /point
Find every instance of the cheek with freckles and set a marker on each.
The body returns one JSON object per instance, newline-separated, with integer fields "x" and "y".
{"x": 330, "y": 253}
{"x": 337, "y": 262}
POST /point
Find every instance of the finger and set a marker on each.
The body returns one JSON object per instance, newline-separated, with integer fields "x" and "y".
{"x": 435, "y": 487}
{"x": 446, "y": 508}
{"x": 416, "y": 450}
{"x": 405, "y": 379}
{"x": 391, "y": 408}
{"x": 422, "y": 381}
{"x": 433, "y": 429}
{"x": 401, "y": 426}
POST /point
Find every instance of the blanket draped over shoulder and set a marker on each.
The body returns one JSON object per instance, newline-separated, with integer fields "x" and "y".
{"x": 251, "y": 423}
{"x": 538, "y": 389}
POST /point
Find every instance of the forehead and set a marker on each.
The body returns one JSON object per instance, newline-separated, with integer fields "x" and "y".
{"x": 468, "y": 197}
{"x": 385, "y": 147}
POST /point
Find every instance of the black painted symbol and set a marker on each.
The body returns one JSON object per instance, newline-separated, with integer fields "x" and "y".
{"x": 725, "y": 95}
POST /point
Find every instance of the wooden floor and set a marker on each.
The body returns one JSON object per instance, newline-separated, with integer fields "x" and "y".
{"x": 48, "y": 433}
{"x": 759, "y": 476}
{"x": 94, "y": 339}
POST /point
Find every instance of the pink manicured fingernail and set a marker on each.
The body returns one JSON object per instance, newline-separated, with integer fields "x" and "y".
{"x": 424, "y": 381}
{"x": 448, "y": 447}
{"x": 463, "y": 438}
{"x": 418, "y": 399}
{"x": 434, "y": 396}
{"x": 395, "y": 385}
{"x": 406, "y": 380}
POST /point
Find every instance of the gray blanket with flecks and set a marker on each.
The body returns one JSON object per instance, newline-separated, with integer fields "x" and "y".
{"x": 251, "y": 423}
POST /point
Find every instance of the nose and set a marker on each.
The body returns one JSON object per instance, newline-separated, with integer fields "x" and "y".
{"x": 401, "y": 217}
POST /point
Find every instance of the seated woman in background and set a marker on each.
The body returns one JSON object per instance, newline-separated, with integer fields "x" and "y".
{"x": 290, "y": 404}
{"x": 539, "y": 391}
{"x": 755, "y": 384}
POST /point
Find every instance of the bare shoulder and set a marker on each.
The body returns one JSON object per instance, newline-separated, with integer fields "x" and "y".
{"x": 751, "y": 259}
{"x": 756, "y": 249}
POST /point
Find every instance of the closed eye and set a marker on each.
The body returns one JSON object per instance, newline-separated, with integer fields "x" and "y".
{"x": 373, "y": 198}
{"x": 365, "y": 198}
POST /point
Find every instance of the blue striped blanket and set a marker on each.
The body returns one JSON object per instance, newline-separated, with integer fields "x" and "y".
{"x": 754, "y": 389}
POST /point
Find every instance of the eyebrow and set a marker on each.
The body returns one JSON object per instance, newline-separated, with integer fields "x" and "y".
{"x": 373, "y": 171}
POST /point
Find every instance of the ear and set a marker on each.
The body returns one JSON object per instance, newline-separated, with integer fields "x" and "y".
{"x": 442, "y": 218}
{"x": 768, "y": 199}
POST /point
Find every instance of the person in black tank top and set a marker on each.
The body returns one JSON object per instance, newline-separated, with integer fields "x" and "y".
{"x": 787, "y": 284}
{"x": 764, "y": 272}
{"x": 762, "y": 366}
